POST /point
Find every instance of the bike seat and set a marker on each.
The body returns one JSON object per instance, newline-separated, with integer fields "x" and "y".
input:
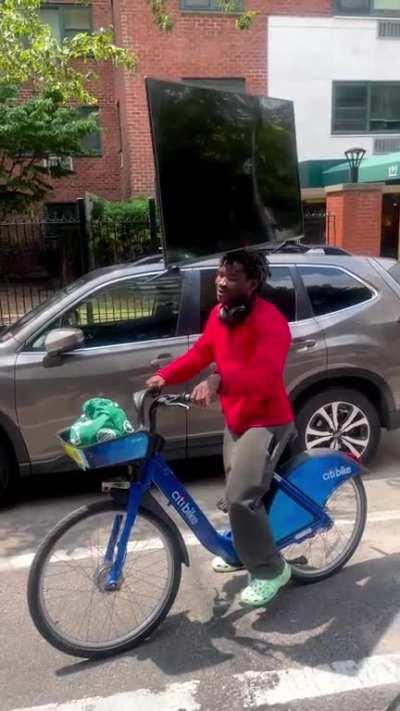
{"x": 288, "y": 434}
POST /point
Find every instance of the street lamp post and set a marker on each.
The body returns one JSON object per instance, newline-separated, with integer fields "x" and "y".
{"x": 354, "y": 156}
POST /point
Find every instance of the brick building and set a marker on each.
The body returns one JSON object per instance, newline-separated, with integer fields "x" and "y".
{"x": 99, "y": 173}
{"x": 204, "y": 45}
{"x": 342, "y": 75}
{"x": 333, "y": 58}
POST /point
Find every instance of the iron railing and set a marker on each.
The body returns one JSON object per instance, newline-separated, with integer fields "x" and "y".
{"x": 315, "y": 224}
{"x": 39, "y": 256}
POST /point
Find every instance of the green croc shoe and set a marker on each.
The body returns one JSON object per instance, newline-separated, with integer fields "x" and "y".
{"x": 260, "y": 592}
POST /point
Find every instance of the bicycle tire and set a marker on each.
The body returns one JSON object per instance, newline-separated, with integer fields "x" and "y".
{"x": 36, "y": 609}
{"x": 299, "y": 575}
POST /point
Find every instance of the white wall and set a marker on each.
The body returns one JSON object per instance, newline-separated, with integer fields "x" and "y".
{"x": 305, "y": 55}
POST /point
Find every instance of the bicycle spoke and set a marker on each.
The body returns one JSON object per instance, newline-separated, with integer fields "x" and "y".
{"x": 74, "y": 596}
{"x": 325, "y": 547}
{"x": 90, "y": 613}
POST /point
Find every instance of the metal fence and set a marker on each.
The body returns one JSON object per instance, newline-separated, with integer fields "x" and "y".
{"x": 119, "y": 241}
{"x": 38, "y": 257}
{"x": 315, "y": 219}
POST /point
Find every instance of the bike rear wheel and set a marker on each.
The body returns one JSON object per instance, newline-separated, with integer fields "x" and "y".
{"x": 66, "y": 595}
{"x": 326, "y": 552}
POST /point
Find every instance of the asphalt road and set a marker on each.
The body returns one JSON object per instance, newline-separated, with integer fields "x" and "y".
{"x": 335, "y": 644}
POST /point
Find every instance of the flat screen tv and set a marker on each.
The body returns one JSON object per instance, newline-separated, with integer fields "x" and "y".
{"x": 226, "y": 169}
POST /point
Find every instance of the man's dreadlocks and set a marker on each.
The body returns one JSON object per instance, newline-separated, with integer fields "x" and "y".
{"x": 255, "y": 265}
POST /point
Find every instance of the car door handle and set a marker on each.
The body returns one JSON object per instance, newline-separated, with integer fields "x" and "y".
{"x": 303, "y": 344}
{"x": 161, "y": 360}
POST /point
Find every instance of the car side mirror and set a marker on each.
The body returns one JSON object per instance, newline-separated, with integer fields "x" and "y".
{"x": 60, "y": 341}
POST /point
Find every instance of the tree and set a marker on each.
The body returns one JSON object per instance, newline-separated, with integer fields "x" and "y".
{"x": 31, "y": 134}
{"x": 31, "y": 55}
{"x": 57, "y": 77}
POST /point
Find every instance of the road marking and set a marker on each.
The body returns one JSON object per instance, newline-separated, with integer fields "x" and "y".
{"x": 24, "y": 560}
{"x": 288, "y": 685}
{"x": 251, "y": 689}
{"x": 176, "y": 697}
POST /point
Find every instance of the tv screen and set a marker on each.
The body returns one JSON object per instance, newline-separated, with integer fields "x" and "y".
{"x": 226, "y": 169}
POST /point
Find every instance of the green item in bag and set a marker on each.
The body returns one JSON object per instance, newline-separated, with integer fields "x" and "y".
{"x": 102, "y": 420}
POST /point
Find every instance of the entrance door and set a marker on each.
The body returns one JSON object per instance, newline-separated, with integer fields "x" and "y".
{"x": 390, "y": 226}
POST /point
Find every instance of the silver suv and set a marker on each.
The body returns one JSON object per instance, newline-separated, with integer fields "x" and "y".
{"x": 343, "y": 372}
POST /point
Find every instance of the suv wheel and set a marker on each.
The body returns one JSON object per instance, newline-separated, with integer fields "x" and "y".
{"x": 6, "y": 474}
{"x": 341, "y": 419}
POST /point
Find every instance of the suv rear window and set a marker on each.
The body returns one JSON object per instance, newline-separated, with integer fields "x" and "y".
{"x": 332, "y": 289}
{"x": 279, "y": 290}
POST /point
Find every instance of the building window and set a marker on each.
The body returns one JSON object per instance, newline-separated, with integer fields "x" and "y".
{"x": 91, "y": 144}
{"x": 225, "y": 84}
{"x": 366, "y": 107}
{"x": 368, "y": 7}
{"x": 66, "y": 21}
{"x": 209, "y": 6}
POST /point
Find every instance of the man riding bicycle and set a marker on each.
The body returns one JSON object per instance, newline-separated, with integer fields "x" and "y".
{"x": 248, "y": 340}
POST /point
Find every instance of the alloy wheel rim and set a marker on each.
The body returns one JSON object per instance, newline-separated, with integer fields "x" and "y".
{"x": 341, "y": 426}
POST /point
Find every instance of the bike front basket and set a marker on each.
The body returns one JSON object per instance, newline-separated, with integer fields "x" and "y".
{"x": 106, "y": 454}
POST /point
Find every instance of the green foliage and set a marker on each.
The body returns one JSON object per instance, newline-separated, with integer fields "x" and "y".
{"x": 30, "y": 133}
{"x": 120, "y": 231}
{"x": 58, "y": 76}
{"x": 136, "y": 210}
{"x": 163, "y": 20}
{"x": 160, "y": 14}
{"x": 246, "y": 19}
{"x": 29, "y": 53}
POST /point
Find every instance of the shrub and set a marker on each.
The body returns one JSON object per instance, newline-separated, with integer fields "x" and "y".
{"x": 120, "y": 231}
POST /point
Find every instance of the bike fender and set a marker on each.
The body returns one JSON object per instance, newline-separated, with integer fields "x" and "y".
{"x": 151, "y": 504}
{"x": 317, "y": 473}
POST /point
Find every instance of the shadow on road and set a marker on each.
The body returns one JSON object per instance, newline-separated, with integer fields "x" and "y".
{"x": 54, "y": 486}
{"x": 307, "y": 625}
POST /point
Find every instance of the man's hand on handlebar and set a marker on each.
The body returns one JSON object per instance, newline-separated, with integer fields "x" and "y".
{"x": 205, "y": 392}
{"x": 156, "y": 382}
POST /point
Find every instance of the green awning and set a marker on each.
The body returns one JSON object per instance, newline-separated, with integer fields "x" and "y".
{"x": 311, "y": 171}
{"x": 376, "y": 169}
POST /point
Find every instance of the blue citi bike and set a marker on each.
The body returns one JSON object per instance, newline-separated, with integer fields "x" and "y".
{"x": 107, "y": 575}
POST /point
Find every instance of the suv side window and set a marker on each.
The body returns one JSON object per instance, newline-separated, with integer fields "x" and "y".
{"x": 279, "y": 290}
{"x": 137, "y": 309}
{"x": 332, "y": 289}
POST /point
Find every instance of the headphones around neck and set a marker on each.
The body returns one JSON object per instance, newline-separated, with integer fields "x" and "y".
{"x": 234, "y": 314}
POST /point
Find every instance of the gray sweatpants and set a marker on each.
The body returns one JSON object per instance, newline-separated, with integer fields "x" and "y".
{"x": 248, "y": 478}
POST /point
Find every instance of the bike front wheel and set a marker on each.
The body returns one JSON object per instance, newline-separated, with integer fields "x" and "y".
{"x": 327, "y": 551}
{"x": 67, "y": 596}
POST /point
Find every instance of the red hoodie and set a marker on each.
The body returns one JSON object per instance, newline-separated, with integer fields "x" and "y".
{"x": 250, "y": 359}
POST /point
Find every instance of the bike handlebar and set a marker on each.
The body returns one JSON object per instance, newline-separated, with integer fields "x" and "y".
{"x": 139, "y": 402}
